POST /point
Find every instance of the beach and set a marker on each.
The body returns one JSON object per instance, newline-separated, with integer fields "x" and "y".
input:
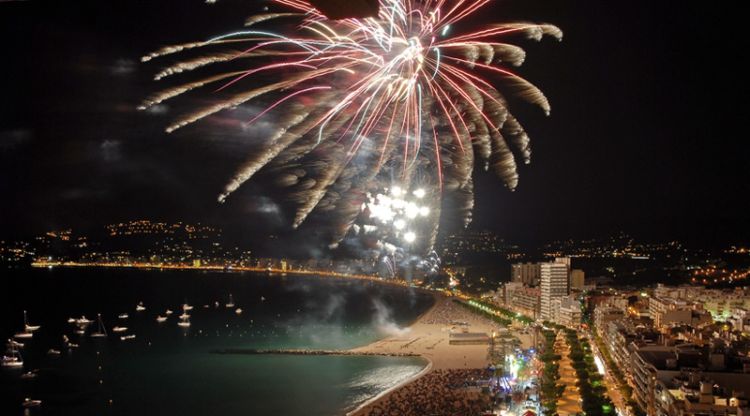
{"x": 440, "y": 386}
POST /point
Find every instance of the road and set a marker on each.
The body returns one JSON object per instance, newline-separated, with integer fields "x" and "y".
{"x": 610, "y": 382}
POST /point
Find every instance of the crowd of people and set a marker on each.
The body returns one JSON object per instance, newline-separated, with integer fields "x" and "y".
{"x": 439, "y": 393}
{"x": 448, "y": 312}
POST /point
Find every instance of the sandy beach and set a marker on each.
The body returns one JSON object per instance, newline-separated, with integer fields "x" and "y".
{"x": 428, "y": 337}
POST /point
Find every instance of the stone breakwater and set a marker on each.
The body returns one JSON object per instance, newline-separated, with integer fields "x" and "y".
{"x": 254, "y": 351}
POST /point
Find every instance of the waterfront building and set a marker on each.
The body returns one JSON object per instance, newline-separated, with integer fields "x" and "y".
{"x": 521, "y": 298}
{"x": 526, "y": 273}
{"x": 569, "y": 312}
{"x": 553, "y": 285}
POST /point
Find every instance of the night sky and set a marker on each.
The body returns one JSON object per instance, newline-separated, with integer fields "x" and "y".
{"x": 646, "y": 135}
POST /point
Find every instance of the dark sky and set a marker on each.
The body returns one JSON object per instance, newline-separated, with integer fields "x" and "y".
{"x": 646, "y": 134}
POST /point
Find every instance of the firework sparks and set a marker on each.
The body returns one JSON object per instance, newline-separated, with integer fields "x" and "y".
{"x": 396, "y": 97}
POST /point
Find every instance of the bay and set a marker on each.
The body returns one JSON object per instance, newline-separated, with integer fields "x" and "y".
{"x": 169, "y": 370}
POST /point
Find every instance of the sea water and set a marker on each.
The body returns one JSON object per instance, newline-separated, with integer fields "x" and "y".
{"x": 168, "y": 370}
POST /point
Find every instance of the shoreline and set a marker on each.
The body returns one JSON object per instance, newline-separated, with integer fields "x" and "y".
{"x": 267, "y": 272}
{"x": 385, "y": 393}
{"x": 426, "y": 370}
{"x": 428, "y": 338}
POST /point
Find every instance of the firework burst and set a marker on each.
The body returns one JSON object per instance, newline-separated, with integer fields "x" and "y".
{"x": 363, "y": 105}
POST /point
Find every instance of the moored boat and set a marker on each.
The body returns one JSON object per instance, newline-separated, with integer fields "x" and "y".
{"x": 101, "y": 331}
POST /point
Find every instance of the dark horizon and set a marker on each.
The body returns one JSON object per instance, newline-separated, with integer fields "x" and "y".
{"x": 641, "y": 138}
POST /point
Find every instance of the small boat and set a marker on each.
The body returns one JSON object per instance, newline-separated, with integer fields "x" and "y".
{"x": 184, "y": 321}
{"x": 206, "y": 306}
{"x": 127, "y": 337}
{"x": 101, "y": 331}
{"x": 27, "y": 327}
{"x": 71, "y": 345}
{"x": 80, "y": 331}
{"x": 123, "y": 316}
{"x": 262, "y": 299}
{"x": 119, "y": 329}
{"x": 53, "y": 352}
{"x": 160, "y": 318}
{"x": 13, "y": 360}
{"x": 23, "y": 335}
{"x": 186, "y": 307}
{"x": 9, "y": 361}
{"x": 16, "y": 344}
{"x": 238, "y": 311}
{"x": 83, "y": 320}
{"x": 139, "y": 307}
{"x": 168, "y": 312}
{"x": 27, "y": 403}
{"x": 216, "y": 304}
{"x": 28, "y": 375}
{"x": 230, "y": 304}
{"x": 71, "y": 320}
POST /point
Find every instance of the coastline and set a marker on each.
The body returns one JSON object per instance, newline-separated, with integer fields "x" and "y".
{"x": 385, "y": 393}
{"x": 428, "y": 338}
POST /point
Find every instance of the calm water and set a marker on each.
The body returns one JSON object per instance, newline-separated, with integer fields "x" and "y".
{"x": 167, "y": 370}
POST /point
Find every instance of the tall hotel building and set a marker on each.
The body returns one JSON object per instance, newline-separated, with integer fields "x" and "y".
{"x": 554, "y": 285}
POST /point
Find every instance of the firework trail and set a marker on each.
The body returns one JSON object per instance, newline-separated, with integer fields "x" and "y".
{"x": 366, "y": 105}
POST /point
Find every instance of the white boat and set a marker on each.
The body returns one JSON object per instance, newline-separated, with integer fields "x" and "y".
{"x": 127, "y": 337}
{"x": 262, "y": 299}
{"x": 238, "y": 311}
{"x": 13, "y": 360}
{"x": 139, "y": 307}
{"x": 101, "y": 331}
{"x": 123, "y": 316}
{"x": 184, "y": 321}
{"x": 160, "y": 318}
{"x": 83, "y": 320}
{"x": 27, "y": 327}
{"x": 168, "y": 312}
{"x": 71, "y": 320}
{"x": 119, "y": 329}
{"x": 206, "y": 306}
{"x": 216, "y": 304}
{"x": 81, "y": 331}
{"x": 53, "y": 352}
{"x": 16, "y": 344}
{"x": 71, "y": 345}
{"x": 27, "y": 403}
{"x": 28, "y": 375}
{"x": 186, "y": 307}
{"x": 230, "y": 304}
{"x": 23, "y": 335}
